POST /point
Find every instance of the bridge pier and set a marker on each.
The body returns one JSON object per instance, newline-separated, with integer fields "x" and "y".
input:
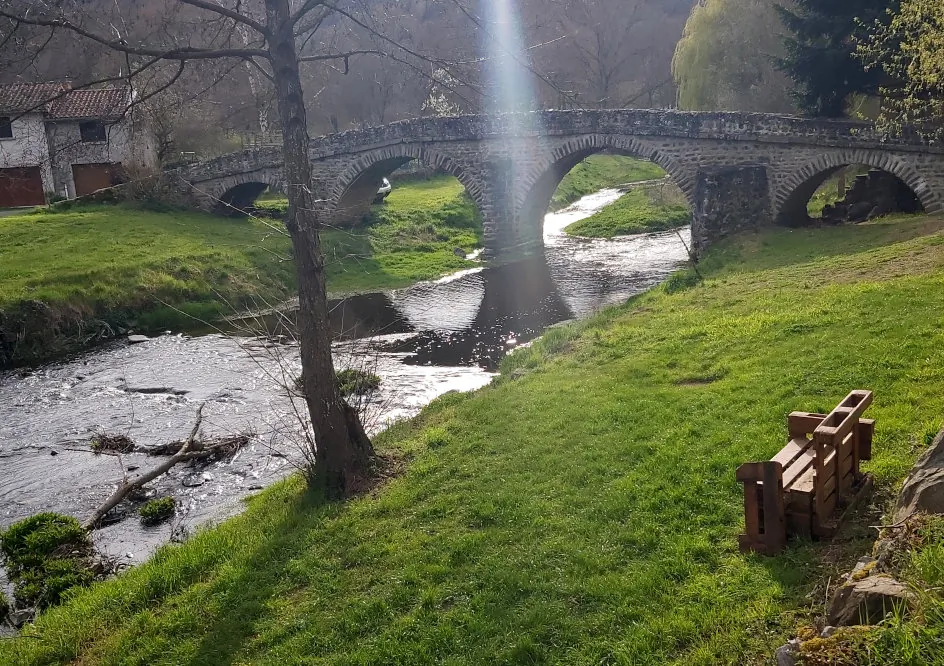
{"x": 508, "y": 234}
{"x": 729, "y": 200}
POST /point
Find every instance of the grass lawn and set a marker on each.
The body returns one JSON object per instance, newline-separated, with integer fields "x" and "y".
{"x": 600, "y": 171}
{"x": 116, "y": 262}
{"x": 583, "y": 513}
{"x": 411, "y": 237}
{"x": 641, "y": 210}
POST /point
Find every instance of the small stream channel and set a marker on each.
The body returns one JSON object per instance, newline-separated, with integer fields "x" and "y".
{"x": 426, "y": 340}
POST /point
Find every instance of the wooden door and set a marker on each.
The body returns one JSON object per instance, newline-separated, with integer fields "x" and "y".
{"x": 21, "y": 186}
{"x": 93, "y": 177}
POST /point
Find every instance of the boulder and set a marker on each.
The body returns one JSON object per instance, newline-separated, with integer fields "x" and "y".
{"x": 19, "y": 618}
{"x": 787, "y": 654}
{"x": 858, "y": 212}
{"x": 866, "y": 601}
{"x": 137, "y": 339}
{"x": 924, "y": 489}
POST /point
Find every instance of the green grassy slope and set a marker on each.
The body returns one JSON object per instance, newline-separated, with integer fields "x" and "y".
{"x": 117, "y": 264}
{"x": 639, "y": 211}
{"x": 599, "y": 171}
{"x": 62, "y": 272}
{"x": 586, "y": 512}
{"x": 412, "y": 237}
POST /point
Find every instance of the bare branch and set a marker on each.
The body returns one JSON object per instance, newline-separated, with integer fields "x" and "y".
{"x": 260, "y": 69}
{"x": 183, "y": 53}
{"x": 228, "y": 13}
{"x": 125, "y": 488}
{"x": 304, "y": 9}
{"x": 321, "y": 57}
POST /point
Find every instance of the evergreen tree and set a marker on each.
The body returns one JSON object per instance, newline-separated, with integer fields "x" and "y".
{"x": 821, "y": 51}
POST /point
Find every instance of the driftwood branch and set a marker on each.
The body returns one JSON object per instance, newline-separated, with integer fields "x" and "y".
{"x": 126, "y": 487}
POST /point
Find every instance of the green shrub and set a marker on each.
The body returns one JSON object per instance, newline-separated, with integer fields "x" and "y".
{"x": 357, "y": 382}
{"x": 46, "y": 555}
{"x": 47, "y": 586}
{"x": 29, "y": 543}
{"x": 4, "y": 606}
{"x": 157, "y": 510}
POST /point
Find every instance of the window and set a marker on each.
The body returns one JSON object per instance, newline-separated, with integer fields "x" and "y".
{"x": 6, "y": 127}
{"x": 93, "y": 131}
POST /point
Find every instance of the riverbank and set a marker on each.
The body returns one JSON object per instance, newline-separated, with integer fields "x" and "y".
{"x": 69, "y": 278}
{"x": 581, "y": 509}
{"x": 643, "y": 209}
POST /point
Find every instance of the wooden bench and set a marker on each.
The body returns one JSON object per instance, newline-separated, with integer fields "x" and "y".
{"x": 815, "y": 476}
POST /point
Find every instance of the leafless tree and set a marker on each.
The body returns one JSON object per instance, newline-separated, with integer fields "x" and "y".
{"x": 276, "y": 38}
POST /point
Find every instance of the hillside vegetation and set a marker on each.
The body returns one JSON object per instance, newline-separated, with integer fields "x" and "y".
{"x": 583, "y": 508}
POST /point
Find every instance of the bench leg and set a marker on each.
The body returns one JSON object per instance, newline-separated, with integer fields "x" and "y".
{"x": 775, "y": 522}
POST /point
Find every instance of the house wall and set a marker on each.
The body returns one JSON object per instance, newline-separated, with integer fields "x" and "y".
{"x": 28, "y": 148}
{"x": 128, "y": 143}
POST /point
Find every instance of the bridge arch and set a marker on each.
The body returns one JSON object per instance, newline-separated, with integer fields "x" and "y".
{"x": 540, "y": 183}
{"x": 792, "y": 195}
{"x": 235, "y": 194}
{"x": 357, "y": 185}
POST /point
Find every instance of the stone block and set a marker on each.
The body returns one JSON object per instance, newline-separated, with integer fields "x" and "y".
{"x": 924, "y": 488}
{"x": 867, "y": 601}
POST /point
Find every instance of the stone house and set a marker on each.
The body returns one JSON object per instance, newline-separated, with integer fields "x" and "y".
{"x": 57, "y": 141}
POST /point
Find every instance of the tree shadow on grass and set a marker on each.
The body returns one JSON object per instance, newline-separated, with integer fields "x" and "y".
{"x": 764, "y": 250}
{"x": 242, "y": 599}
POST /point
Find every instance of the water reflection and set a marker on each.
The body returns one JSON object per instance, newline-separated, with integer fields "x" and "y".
{"x": 477, "y": 317}
{"x": 496, "y": 309}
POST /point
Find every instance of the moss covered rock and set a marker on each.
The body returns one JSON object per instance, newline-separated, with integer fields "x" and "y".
{"x": 46, "y": 555}
{"x": 157, "y": 510}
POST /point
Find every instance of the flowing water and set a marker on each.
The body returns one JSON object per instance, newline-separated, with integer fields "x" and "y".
{"x": 424, "y": 341}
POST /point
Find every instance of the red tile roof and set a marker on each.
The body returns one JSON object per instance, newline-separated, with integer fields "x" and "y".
{"x": 26, "y": 97}
{"x": 59, "y": 102}
{"x": 107, "y": 103}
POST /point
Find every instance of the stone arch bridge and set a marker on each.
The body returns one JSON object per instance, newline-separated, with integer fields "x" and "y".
{"x": 739, "y": 171}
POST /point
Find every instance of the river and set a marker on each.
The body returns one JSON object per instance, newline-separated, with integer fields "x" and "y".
{"x": 448, "y": 335}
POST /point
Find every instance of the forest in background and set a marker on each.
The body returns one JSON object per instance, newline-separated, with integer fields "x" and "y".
{"x": 871, "y": 59}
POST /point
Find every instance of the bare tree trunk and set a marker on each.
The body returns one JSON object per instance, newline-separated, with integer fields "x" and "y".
{"x": 343, "y": 451}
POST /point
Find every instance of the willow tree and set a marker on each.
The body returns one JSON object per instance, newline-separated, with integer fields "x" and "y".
{"x": 910, "y": 52}
{"x": 726, "y": 58}
{"x": 274, "y": 37}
